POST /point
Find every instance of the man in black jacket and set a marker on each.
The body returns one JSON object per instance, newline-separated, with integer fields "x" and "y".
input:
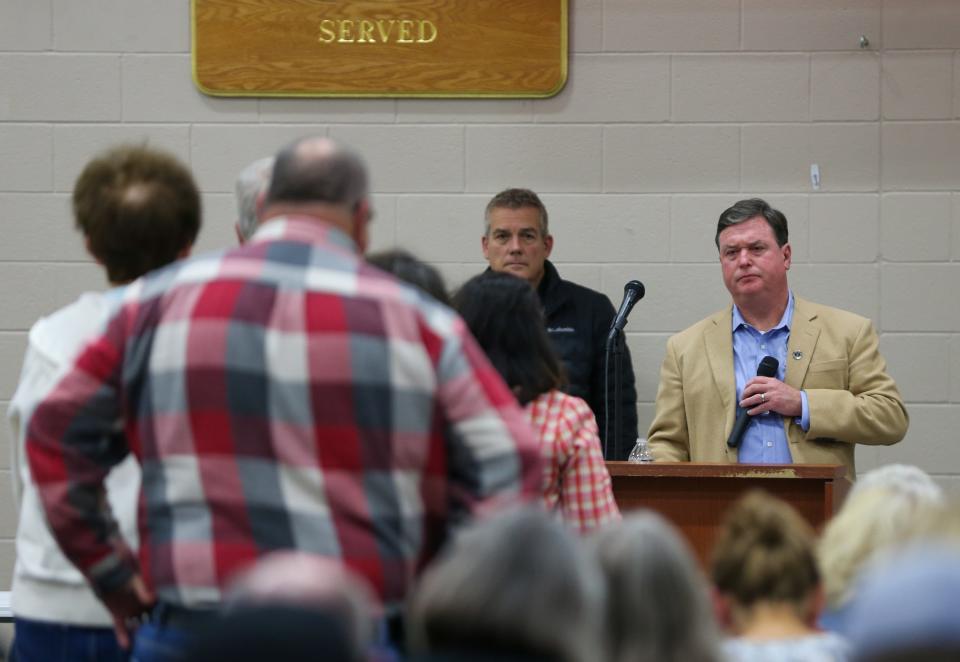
{"x": 516, "y": 241}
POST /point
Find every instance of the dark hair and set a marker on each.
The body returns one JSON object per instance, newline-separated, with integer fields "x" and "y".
{"x": 138, "y": 208}
{"x": 409, "y": 269}
{"x": 316, "y": 169}
{"x": 516, "y": 198}
{"x": 504, "y": 315}
{"x": 747, "y": 209}
{"x": 765, "y": 552}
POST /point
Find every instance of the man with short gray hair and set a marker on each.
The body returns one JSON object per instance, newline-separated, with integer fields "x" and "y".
{"x": 251, "y": 187}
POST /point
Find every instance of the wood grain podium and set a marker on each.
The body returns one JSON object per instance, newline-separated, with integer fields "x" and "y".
{"x": 695, "y": 496}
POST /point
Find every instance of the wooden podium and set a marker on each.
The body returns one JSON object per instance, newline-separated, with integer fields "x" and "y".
{"x": 695, "y": 496}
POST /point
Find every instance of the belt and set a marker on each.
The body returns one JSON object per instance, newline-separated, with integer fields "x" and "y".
{"x": 165, "y": 614}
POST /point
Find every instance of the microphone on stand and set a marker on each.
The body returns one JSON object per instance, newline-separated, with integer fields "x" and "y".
{"x": 767, "y": 368}
{"x": 632, "y": 293}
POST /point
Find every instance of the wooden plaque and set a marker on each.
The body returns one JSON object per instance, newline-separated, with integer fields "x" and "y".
{"x": 380, "y": 48}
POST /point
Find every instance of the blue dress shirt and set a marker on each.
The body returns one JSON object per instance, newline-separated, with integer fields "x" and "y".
{"x": 765, "y": 441}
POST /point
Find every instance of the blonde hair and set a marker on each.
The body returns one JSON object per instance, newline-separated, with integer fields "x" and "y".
{"x": 765, "y": 553}
{"x": 890, "y": 507}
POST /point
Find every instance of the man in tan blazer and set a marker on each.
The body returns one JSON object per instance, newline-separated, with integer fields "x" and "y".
{"x": 831, "y": 390}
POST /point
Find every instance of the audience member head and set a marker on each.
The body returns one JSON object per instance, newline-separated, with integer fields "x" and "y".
{"x": 764, "y": 563}
{"x": 886, "y": 507}
{"x": 517, "y": 198}
{"x": 138, "y": 209}
{"x": 251, "y": 187}
{"x": 658, "y": 606}
{"x": 908, "y": 607}
{"x": 504, "y": 314}
{"x": 317, "y": 177}
{"x": 744, "y": 210}
{"x": 409, "y": 269}
{"x": 517, "y": 585}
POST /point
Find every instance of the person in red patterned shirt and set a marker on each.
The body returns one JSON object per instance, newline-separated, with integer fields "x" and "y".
{"x": 279, "y": 395}
{"x": 504, "y": 315}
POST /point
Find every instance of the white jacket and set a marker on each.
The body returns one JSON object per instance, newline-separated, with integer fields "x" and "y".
{"x": 46, "y": 586}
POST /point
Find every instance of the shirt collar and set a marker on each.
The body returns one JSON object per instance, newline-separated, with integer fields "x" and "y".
{"x": 785, "y": 321}
{"x": 303, "y": 228}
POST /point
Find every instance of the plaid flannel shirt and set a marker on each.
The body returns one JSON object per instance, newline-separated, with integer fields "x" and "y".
{"x": 575, "y": 477}
{"x": 279, "y": 395}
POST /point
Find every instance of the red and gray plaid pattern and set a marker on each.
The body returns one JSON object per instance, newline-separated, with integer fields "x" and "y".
{"x": 279, "y": 395}
{"x": 575, "y": 478}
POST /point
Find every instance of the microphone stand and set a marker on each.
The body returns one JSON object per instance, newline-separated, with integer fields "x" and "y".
{"x": 614, "y": 348}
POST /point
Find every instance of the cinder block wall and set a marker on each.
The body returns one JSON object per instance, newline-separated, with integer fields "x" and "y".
{"x": 673, "y": 110}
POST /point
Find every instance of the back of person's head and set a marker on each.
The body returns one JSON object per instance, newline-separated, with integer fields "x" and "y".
{"x": 409, "y": 269}
{"x": 302, "y": 580}
{"x": 888, "y": 506}
{"x": 908, "y": 607}
{"x": 317, "y": 170}
{"x": 658, "y": 607}
{"x": 138, "y": 208}
{"x": 251, "y": 185}
{"x": 504, "y": 314}
{"x": 764, "y": 553}
{"x": 516, "y": 585}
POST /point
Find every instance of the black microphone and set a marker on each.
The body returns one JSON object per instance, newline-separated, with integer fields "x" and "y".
{"x": 632, "y": 293}
{"x": 767, "y": 368}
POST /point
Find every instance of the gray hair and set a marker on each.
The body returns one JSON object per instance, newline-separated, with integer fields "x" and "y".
{"x": 516, "y": 198}
{"x": 905, "y": 479}
{"x": 518, "y": 583}
{"x": 744, "y": 210}
{"x": 317, "y": 169}
{"x": 658, "y": 600}
{"x": 251, "y": 183}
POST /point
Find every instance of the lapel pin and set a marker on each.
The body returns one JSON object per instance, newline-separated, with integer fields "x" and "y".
{"x": 797, "y": 355}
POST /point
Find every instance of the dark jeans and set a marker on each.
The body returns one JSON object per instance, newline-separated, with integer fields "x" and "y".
{"x": 38, "y": 641}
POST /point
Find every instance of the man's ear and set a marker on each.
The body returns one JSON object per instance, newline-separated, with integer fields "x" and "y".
{"x": 548, "y": 242}
{"x": 361, "y": 222}
{"x": 485, "y": 244}
{"x": 240, "y": 239}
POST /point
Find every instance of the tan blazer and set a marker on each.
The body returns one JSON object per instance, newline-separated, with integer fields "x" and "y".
{"x": 851, "y": 397}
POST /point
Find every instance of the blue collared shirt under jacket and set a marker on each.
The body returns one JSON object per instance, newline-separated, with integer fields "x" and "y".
{"x": 765, "y": 441}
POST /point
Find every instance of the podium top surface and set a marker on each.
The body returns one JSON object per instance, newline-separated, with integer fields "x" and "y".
{"x": 723, "y": 470}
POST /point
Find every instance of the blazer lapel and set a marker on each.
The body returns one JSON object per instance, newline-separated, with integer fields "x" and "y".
{"x": 719, "y": 347}
{"x": 803, "y": 340}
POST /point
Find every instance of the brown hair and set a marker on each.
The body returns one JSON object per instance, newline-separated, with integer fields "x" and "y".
{"x": 138, "y": 208}
{"x": 765, "y": 553}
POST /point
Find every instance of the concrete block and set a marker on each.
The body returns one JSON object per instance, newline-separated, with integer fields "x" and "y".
{"x": 917, "y": 85}
{"x": 931, "y": 441}
{"x": 934, "y": 25}
{"x": 441, "y": 228}
{"x": 809, "y": 25}
{"x": 8, "y": 510}
{"x": 661, "y": 159}
{"x": 956, "y": 85}
{"x": 219, "y": 213}
{"x": 844, "y": 228}
{"x": 586, "y": 26}
{"x": 219, "y": 152}
{"x": 677, "y": 295}
{"x": 916, "y": 227}
{"x": 329, "y": 111}
{"x": 919, "y": 297}
{"x": 921, "y": 156}
{"x": 27, "y": 163}
{"x": 645, "y": 414}
{"x": 950, "y": 486}
{"x": 865, "y": 458}
{"x": 797, "y": 210}
{"x": 955, "y": 251}
{"x": 844, "y": 86}
{"x": 609, "y": 228}
{"x": 5, "y": 439}
{"x": 122, "y": 25}
{"x": 777, "y": 157}
{"x": 51, "y": 87}
{"x": 693, "y": 226}
{"x": 160, "y": 88}
{"x": 25, "y": 25}
{"x": 410, "y": 159}
{"x": 853, "y": 287}
{"x": 633, "y": 88}
{"x": 34, "y": 289}
{"x": 40, "y": 227}
{"x": 558, "y": 158}
{"x": 713, "y": 87}
{"x": 916, "y": 362}
{"x": 464, "y": 111}
{"x": 646, "y": 351}
{"x": 671, "y": 25}
{"x": 953, "y": 362}
{"x": 75, "y": 144}
{"x": 13, "y": 344}
{"x": 383, "y": 227}
{"x": 8, "y": 557}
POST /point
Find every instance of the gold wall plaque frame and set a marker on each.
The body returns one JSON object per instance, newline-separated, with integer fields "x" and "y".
{"x": 380, "y": 48}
